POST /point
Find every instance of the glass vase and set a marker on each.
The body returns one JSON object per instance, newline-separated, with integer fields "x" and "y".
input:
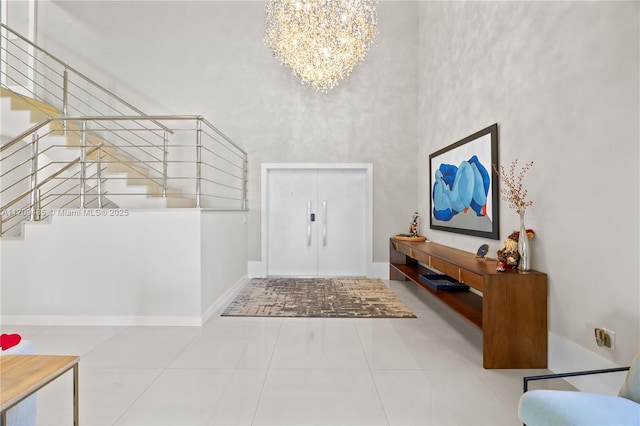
{"x": 524, "y": 264}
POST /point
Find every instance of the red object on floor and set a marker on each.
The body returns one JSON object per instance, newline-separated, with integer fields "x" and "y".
{"x": 9, "y": 340}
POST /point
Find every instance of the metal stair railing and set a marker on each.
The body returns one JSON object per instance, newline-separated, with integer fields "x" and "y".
{"x": 55, "y": 189}
{"x": 35, "y": 73}
{"x": 44, "y": 77}
{"x": 148, "y": 150}
{"x": 193, "y": 161}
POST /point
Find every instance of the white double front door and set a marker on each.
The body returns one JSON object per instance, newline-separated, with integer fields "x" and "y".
{"x": 317, "y": 222}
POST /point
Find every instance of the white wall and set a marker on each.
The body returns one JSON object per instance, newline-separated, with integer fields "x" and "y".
{"x": 562, "y": 81}
{"x": 208, "y": 58}
{"x": 150, "y": 267}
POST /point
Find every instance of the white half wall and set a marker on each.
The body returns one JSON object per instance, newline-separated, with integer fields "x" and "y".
{"x": 150, "y": 267}
{"x": 223, "y": 258}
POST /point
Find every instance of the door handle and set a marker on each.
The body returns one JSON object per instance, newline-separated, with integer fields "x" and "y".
{"x": 309, "y": 222}
{"x": 324, "y": 222}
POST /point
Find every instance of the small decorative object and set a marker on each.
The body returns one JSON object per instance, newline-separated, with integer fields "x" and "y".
{"x": 8, "y": 341}
{"x": 515, "y": 194}
{"x": 508, "y": 255}
{"x": 483, "y": 250}
{"x": 414, "y": 230}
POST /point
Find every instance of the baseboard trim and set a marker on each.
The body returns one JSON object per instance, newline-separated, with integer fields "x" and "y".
{"x": 51, "y": 320}
{"x": 256, "y": 269}
{"x": 380, "y": 270}
{"x": 188, "y": 321}
{"x": 224, "y": 300}
{"x": 566, "y": 355}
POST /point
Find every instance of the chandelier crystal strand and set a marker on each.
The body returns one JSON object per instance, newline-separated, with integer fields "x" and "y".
{"x": 320, "y": 40}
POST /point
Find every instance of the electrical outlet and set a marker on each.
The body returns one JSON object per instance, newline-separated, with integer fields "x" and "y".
{"x": 612, "y": 337}
{"x": 605, "y": 338}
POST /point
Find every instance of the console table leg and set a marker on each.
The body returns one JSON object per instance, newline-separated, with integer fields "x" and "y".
{"x": 76, "y": 408}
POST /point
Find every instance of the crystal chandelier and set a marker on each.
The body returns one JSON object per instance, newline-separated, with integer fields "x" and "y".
{"x": 320, "y": 40}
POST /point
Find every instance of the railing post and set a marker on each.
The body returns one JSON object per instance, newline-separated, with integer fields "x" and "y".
{"x": 33, "y": 187}
{"x": 38, "y": 212}
{"x": 83, "y": 163}
{"x": 165, "y": 142}
{"x": 245, "y": 166}
{"x": 99, "y": 177}
{"x": 198, "y": 162}
{"x": 65, "y": 98}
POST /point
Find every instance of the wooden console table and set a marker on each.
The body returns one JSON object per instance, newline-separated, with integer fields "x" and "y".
{"x": 510, "y": 309}
{"x": 23, "y": 375}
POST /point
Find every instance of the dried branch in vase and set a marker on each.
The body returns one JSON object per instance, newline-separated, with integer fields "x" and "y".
{"x": 513, "y": 192}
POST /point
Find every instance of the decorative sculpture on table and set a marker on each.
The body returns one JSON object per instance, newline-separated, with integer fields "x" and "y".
{"x": 509, "y": 255}
{"x": 414, "y": 230}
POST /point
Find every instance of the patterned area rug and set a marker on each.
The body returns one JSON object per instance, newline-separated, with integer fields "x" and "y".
{"x": 318, "y": 297}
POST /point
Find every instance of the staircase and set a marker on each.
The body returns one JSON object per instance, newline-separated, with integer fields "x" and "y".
{"x": 131, "y": 186}
{"x": 124, "y": 184}
{"x": 94, "y": 150}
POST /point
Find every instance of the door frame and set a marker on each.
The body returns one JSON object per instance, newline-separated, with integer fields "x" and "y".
{"x": 368, "y": 169}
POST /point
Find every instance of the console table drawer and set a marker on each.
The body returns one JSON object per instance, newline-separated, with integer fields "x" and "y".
{"x": 445, "y": 267}
{"x": 404, "y": 249}
{"x": 421, "y": 257}
{"x": 471, "y": 279}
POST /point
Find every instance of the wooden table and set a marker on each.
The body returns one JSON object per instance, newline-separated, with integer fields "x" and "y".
{"x": 509, "y": 307}
{"x": 23, "y": 375}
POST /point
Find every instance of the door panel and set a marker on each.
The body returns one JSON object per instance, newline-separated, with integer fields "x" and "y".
{"x": 292, "y": 242}
{"x": 341, "y": 227}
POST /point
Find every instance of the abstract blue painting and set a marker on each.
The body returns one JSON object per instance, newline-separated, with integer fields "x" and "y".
{"x": 464, "y": 189}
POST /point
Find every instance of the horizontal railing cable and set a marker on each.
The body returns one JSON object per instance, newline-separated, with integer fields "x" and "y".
{"x": 213, "y": 176}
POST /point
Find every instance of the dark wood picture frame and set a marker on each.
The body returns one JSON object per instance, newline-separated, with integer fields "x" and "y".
{"x": 463, "y": 187}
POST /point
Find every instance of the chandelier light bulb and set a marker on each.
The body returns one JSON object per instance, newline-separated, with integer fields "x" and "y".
{"x": 320, "y": 40}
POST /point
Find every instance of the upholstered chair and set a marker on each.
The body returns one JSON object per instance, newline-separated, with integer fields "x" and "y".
{"x": 554, "y": 407}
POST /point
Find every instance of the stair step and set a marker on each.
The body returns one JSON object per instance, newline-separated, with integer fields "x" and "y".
{"x": 38, "y": 110}
{"x": 14, "y": 122}
{"x": 180, "y": 202}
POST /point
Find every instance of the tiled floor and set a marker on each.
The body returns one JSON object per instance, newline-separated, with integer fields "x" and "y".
{"x": 282, "y": 371}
